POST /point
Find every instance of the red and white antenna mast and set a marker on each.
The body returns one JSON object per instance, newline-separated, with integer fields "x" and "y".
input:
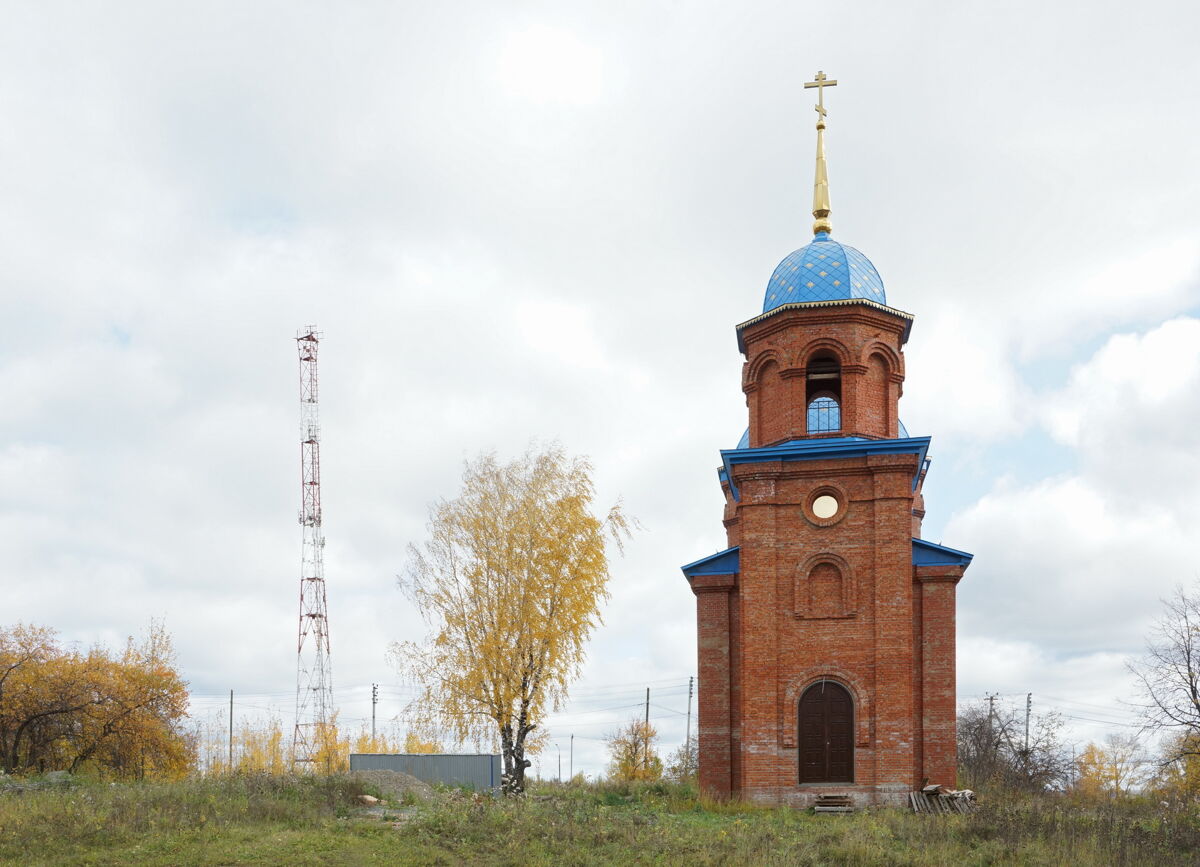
{"x": 312, "y": 740}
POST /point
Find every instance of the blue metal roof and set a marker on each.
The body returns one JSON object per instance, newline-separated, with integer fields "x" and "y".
{"x": 822, "y": 449}
{"x": 823, "y": 271}
{"x": 929, "y": 554}
{"x": 727, "y": 562}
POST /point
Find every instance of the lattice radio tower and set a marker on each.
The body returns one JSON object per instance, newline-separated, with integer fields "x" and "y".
{"x": 314, "y": 677}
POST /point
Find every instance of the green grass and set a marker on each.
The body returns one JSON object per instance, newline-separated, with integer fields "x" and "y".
{"x": 265, "y": 820}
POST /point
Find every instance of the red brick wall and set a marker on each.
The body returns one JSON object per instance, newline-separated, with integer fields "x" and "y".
{"x": 819, "y": 599}
{"x": 864, "y": 340}
{"x": 713, "y": 711}
{"x": 937, "y": 592}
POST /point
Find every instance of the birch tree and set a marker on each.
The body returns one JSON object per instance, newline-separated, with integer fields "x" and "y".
{"x": 510, "y": 582}
{"x": 1112, "y": 770}
{"x": 1169, "y": 674}
{"x": 633, "y": 753}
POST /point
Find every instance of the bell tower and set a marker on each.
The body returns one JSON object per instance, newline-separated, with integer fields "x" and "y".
{"x": 826, "y": 629}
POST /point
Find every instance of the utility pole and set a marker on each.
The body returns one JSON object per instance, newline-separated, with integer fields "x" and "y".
{"x": 231, "y": 731}
{"x": 374, "y": 701}
{"x": 559, "y": 748}
{"x": 571, "y": 758}
{"x": 1028, "y": 708}
{"x": 687, "y": 738}
{"x": 992, "y": 740}
{"x": 646, "y": 732}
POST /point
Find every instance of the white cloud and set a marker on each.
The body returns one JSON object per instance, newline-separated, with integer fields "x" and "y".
{"x": 1136, "y": 283}
{"x": 544, "y": 63}
{"x": 184, "y": 187}
{"x": 1070, "y": 569}
{"x": 960, "y": 379}
{"x": 1089, "y": 691}
{"x": 558, "y": 334}
{"x": 1133, "y": 411}
{"x": 1057, "y": 560}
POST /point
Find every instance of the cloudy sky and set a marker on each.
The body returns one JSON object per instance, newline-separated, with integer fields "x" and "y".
{"x": 543, "y": 220}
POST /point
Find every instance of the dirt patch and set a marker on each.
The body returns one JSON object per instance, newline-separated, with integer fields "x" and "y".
{"x": 395, "y": 784}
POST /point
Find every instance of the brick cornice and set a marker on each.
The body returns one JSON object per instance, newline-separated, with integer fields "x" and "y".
{"x": 895, "y": 463}
{"x": 713, "y": 583}
{"x": 938, "y": 574}
{"x": 782, "y": 471}
{"x": 858, "y": 311}
{"x": 785, "y": 473}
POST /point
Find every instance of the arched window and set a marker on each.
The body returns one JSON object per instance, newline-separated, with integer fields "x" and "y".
{"x": 826, "y": 723}
{"x": 824, "y": 415}
{"x": 823, "y": 394}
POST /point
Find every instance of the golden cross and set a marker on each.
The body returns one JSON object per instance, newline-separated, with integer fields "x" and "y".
{"x": 820, "y": 84}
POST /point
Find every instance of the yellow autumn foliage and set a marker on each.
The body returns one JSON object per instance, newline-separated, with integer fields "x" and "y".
{"x": 633, "y": 754}
{"x": 262, "y": 746}
{"x": 414, "y": 743}
{"x": 1111, "y": 770}
{"x": 381, "y": 743}
{"x": 1177, "y": 773}
{"x": 114, "y": 715}
{"x": 511, "y": 580}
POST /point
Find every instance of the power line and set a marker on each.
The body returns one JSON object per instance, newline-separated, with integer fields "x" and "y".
{"x": 1091, "y": 707}
{"x": 1103, "y": 722}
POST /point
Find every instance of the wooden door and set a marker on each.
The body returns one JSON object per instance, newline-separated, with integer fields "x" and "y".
{"x": 826, "y": 734}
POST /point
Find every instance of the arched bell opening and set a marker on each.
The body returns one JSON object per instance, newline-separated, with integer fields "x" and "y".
{"x": 823, "y": 394}
{"x": 826, "y": 725}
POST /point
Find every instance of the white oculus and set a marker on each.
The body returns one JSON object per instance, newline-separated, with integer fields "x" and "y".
{"x": 825, "y": 506}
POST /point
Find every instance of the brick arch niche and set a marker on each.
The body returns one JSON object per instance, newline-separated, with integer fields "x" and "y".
{"x": 770, "y": 395}
{"x": 824, "y": 588}
{"x": 876, "y": 406}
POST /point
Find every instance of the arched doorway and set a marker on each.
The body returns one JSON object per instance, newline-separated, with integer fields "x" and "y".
{"x": 826, "y": 734}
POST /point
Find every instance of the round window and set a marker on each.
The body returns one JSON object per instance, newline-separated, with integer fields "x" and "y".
{"x": 825, "y": 506}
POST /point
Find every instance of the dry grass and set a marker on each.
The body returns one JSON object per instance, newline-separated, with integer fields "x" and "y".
{"x": 276, "y": 820}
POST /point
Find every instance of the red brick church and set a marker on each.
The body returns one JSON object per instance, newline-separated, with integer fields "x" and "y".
{"x": 827, "y": 628}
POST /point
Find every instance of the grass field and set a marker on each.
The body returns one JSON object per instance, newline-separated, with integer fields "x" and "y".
{"x": 273, "y": 820}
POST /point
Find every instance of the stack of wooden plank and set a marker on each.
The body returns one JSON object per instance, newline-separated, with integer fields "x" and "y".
{"x": 941, "y": 800}
{"x": 834, "y": 804}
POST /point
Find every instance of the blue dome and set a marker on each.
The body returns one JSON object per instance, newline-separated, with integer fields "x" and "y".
{"x": 823, "y": 271}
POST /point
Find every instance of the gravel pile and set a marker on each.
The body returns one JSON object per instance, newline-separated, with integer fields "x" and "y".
{"x": 394, "y": 784}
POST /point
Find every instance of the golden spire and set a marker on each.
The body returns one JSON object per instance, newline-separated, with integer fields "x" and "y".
{"x": 821, "y": 183}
